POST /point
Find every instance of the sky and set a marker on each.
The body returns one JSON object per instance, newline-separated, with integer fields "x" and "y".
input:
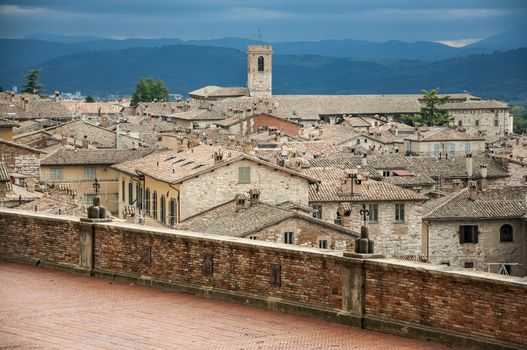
{"x": 455, "y": 22}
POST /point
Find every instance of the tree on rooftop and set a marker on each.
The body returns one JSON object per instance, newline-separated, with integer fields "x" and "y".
{"x": 431, "y": 114}
{"x": 148, "y": 90}
{"x": 89, "y": 99}
{"x": 33, "y": 85}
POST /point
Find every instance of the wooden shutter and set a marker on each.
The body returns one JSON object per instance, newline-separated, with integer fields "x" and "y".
{"x": 475, "y": 233}
{"x": 461, "y": 235}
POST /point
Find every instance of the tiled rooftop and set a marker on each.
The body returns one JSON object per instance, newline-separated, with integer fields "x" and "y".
{"x": 508, "y": 202}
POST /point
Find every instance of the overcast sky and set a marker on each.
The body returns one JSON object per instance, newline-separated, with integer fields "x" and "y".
{"x": 376, "y": 20}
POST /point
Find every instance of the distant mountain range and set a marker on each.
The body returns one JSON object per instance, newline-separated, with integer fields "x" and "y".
{"x": 103, "y": 66}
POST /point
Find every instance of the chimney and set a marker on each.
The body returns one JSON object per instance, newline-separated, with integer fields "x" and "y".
{"x": 468, "y": 165}
{"x": 23, "y": 102}
{"x": 396, "y": 129}
{"x": 246, "y": 147}
{"x": 218, "y": 156}
{"x": 277, "y": 135}
{"x": 364, "y": 160}
{"x": 118, "y": 138}
{"x": 85, "y": 142}
{"x": 349, "y": 184}
{"x": 456, "y": 185}
{"x": 293, "y": 161}
{"x": 231, "y": 141}
{"x": 472, "y": 190}
{"x": 483, "y": 170}
{"x": 311, "y": 137}
{"x": 254, "y": 196}
{"x": 63, "y": 139}
{"x": 240, "y": 201}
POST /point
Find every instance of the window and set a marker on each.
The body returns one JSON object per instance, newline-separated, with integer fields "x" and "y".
{"x": 162, "y": 206}
{"x": 260, "y": 64}
{"x": 496, "y": 122}
{"x": 147, "y": 200}
{"x": 318, "y": 213}
{"x": 460, "y": 123}
{"x": 323, "y": 244}
{"x": 365, "y": 140}
{"x": 506, "y": 233}
{"x": 452, "y": 149}
{"x": 477, "y": 122}
{"x": 525, "y": 179}
{"x": 130, "y": 193}
{"x": 154, "y": 205}
{"x": 373, "y": 210}
{"x": 254, "y": 238}
{"x": 436, "y": 149}
{"x": 399, "y": 212}
{"x": 468, "y": 148}
{"x": 469, "y": 265}
{"x": 139, "y": 194}
{"x": 123, "y": 190}
{"x": 438, "y": 184}
{"x": 386, "y": 173}
{"x": 89, "y": 173}
{"x": 468, "y": 234}
{"x": 172, "y": 211}
{"x": 244, "y": 175}
{"x": 57, "y": 174}
{"x": 288, "y": 237}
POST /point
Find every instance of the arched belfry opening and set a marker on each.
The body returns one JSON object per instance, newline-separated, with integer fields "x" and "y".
{"x": 261, "y": 62}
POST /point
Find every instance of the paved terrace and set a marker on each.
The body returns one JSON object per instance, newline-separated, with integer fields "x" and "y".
{"x": 48, "y": 309}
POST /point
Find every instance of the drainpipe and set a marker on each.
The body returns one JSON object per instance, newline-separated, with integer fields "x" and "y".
{"x": 178, "y": 203}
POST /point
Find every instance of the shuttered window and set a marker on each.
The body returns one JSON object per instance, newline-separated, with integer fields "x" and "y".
{"x": 468, "y": 234}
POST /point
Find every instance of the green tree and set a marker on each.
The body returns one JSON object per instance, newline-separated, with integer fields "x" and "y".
{"x": 148, "y": 90}
{"x": 89, "y": 99}
{"x": 1, "y": 89}
{"x": 431, "y": 114}
{"x": 519, "y": 119}
{"x": 32, "y": 82}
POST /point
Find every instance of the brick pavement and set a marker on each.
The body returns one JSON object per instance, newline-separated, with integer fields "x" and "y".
{"x": 48, "y": 309}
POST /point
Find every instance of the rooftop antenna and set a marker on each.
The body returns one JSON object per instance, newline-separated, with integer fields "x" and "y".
{"x": 260, "y": 40}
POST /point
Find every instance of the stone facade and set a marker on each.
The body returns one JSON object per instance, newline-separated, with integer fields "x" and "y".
{"x": 213, "y": 188}
{"x": 20, "y": 159}
{"x": 260, "y": 70}
{"x": 492, "y": 121}
{"x": 307, "y": 234}
{"x": 475, "y": 310}
{"x": 392, "y": 238}
{"x": 441, "y": 239}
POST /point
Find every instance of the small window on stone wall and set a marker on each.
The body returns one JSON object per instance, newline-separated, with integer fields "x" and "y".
{"x": 288, "y": 237}
{"x": 323, "y": 244}
{"x": 469, "y": 265}
{"x": 506, "y": 233}
{"x": 244, "y": 175}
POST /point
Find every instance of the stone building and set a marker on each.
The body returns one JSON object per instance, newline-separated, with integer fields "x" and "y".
{"x": 6, "y": 128}
{"x": 483, "y": 230}
{"x": 445, "y": 142}
{"x": 245, "y": 216}
{"x": 78, "y": 169}
{"x": 170, "y": 186}
{"x": 20, "y": 159}
{"x": 394, "y": 213}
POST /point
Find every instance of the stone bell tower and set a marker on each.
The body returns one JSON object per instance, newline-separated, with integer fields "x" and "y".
{"x": 260, "y": 70}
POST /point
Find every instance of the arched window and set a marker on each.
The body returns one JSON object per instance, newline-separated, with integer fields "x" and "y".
{"x": 260, "y": 64}
{"x": 506, "y": 233}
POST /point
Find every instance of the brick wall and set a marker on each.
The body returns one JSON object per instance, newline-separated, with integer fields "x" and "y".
{"x": 311, "y": 278}
{"x": 480, "y": 309}
{"x": 54, "y": 239}
{"x": 288, "y": 127}
{"x": 456, "y": 302}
